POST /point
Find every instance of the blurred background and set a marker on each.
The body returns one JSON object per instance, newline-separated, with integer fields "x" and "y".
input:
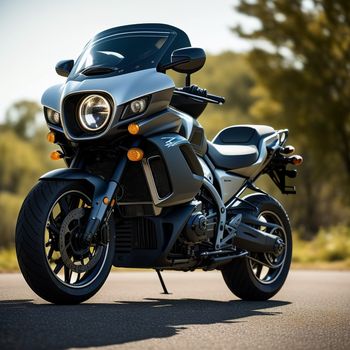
{"x": 278, "y": 62}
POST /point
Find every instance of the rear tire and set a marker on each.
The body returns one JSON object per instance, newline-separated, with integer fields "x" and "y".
{"x": 31, "y": 247}
{"x": 239, "y": 275}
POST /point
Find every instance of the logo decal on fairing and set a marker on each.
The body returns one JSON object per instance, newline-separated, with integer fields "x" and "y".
{"x": 171, "y": 141}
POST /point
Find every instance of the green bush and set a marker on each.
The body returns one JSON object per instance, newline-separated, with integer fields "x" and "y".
{"x": 329, "y": 245}
{"x": 9, "y": 208}
{"x": 20, "y": 164}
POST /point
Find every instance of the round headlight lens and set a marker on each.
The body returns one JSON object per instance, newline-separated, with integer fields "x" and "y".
{"x": 94, "y": 112}
{"x": 138, "y": 106}
{"x": 53, "y": 116}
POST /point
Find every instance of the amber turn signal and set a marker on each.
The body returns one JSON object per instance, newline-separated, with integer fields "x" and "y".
{"x": 133, "y": 128}
{"x": 296, "y": 160}
{"x": 51, "y": 137}
{"x": 105, "y": 200}
{"x": 56, "y": 155}
{"x": 135, "y": 154}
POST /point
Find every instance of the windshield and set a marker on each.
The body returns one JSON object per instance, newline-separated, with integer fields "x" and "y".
{"x": 121, "y": 53}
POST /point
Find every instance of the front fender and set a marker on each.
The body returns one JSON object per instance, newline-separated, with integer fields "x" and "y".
{"x": 68, "y": 174}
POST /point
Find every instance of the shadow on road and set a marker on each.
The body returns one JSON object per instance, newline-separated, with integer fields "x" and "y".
{"x": 32, "y": 326}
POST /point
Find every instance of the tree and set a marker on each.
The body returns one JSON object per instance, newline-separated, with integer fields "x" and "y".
{"x": 21, "y": 118}
{"x": 230, "y": 75}
{"x": 301, "y": 55}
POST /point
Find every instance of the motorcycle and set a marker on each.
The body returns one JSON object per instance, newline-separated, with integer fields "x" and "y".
{"x": 143, "y": 187}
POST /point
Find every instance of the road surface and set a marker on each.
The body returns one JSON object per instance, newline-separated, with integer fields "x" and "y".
{"x": 312, "y": 311}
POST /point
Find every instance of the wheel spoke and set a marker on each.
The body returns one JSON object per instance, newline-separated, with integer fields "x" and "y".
{"x": 67, "y": 274}
{"x": 258, "y": 270}
{"x": 53, "y": 228}
{"x": 63, "y": 240}
{"x": 49, "y": 255}
{"x": 64, "y": 206}
{"x": 59, "y": 265}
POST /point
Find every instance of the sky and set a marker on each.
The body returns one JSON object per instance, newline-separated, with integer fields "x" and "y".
{"x": 36, "y": 34}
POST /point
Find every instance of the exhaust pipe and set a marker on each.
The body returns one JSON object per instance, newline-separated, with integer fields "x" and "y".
{"x": 254, "y": 240}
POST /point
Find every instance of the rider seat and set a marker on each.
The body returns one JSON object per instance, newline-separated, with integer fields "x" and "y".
{"x": 237, "y": 146}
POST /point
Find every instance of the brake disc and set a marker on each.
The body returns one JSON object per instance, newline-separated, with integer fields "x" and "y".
{"x": 72, "y": 256}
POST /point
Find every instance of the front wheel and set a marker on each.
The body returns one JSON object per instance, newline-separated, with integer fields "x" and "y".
{"x": 262, "y": 275}
{"x": 51, "y": 257}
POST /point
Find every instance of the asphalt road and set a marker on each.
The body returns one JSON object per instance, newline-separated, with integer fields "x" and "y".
{"x": 312, "y": 311}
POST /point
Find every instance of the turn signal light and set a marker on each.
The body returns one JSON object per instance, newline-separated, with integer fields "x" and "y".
{"x": 296, "y": 160}
{"x": 51, "y": 137}
{"x": 135, "y": 154}
{"x": 56, "y": 155}
{"x": 133, "y": 128}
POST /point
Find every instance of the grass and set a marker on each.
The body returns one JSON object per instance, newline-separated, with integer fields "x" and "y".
{"x": 329, "y": 250}
{"x": 8, "y": 260}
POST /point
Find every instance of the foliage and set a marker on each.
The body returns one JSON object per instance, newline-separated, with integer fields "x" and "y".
{"x": 330, "y": 245}
{"x": 9, "y": 208}
{"x": 229, "y": 75}
{"x": 24, "y": 157}
{"x": 8, "y": 260}
{"x": 301, "y": 57}
{"x": 20, "y": 163}
{"x": 21, "y": 118}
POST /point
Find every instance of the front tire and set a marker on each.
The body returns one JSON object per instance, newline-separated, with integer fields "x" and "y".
{"x": 51, "y": 261}
{"x": 246, "y": 278}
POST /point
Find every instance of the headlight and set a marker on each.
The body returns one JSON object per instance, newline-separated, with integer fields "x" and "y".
{"x": 53, "y": 116}
{"x": 94, "y": 112}
{"x": 136, "y": 107}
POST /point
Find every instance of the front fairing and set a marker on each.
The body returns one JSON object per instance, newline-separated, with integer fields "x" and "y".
{"x": 134, "y": 74}
{"x": 121, "y": 90}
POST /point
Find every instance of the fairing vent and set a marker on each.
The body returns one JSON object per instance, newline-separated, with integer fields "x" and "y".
{"x": 134, "y": 187}
{"x": 191, "y": 159}
{"x": 160, "y": 176}
{"x": 136, "y": 233}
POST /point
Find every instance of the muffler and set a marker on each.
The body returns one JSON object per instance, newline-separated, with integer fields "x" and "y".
{"x": 254, "y": 240}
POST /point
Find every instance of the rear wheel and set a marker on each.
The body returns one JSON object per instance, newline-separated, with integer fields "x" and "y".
{"x": 262, "y": 275}
{"x": 53, "y": 261}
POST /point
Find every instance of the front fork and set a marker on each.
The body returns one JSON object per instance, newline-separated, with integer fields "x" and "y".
{"x": 102, "y": 200}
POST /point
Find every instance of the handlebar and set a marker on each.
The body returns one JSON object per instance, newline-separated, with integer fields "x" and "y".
{"x": 218, "y": 99}
{"x": 201, "y": 94}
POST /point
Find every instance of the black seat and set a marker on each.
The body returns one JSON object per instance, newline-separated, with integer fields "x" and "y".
{"x": 237, "y": 146}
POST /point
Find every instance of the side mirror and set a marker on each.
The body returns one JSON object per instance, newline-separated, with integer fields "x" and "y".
{"x": 187, "y": 60}
{"x": 63, "y": 68}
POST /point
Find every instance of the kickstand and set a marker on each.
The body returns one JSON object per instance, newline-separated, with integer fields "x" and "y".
{"x": 165, "y": 291}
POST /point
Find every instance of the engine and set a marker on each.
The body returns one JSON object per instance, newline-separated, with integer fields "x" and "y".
{"x": 200, "y": 227}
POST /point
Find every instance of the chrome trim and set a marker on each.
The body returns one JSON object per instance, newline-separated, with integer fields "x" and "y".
{"x": 80, "y": 113}
{"x": 150, "y": 181}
